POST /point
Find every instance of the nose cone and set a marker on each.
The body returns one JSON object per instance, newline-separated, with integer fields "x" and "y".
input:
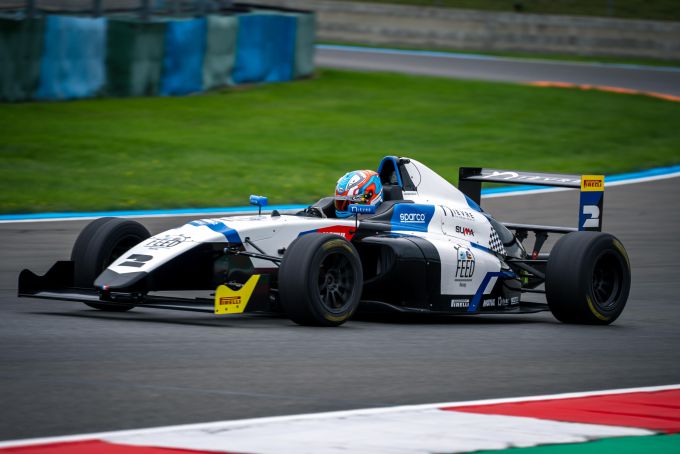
{"x": 125, "y": 282}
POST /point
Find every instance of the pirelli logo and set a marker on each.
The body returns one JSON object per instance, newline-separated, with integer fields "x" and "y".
{"x": 593, "y": 183}
{"x": 228, "y": 300}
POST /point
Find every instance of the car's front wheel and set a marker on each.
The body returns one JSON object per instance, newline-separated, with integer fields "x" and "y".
{"x": 320, "y": 280}
{"x": 99, "y": 244}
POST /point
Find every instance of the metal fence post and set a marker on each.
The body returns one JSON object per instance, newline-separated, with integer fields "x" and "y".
{"x": 97, "y": 8}
{"x": 145, "y": 10}
{"x": 30, "y": 8}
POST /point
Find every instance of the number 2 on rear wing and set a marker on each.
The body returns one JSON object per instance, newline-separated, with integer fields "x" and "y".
{"x": 591, "y": 188}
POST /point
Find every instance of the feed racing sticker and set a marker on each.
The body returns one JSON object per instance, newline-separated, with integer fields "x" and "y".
{"x": 463, "y": 269}
{"x": 465, "y": 263}
{"x": 166, "y": 241}
{"x": 412, "y": 217}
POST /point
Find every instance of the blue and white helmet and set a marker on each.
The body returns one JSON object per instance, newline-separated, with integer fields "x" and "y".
{"x": 360, "y": 187}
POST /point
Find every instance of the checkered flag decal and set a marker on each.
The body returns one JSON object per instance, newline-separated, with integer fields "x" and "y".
{"x": 495, "y": 243}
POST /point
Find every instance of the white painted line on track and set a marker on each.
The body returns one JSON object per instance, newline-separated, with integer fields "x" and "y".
{"x": 223, "y": 425}
{"x": 482, "y": 57}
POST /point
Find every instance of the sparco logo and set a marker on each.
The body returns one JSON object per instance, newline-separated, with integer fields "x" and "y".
{"x": 412, "y": 217}
{"x": 465, "y": 265}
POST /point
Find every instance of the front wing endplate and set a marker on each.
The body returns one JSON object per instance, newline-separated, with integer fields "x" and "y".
{"x": 228, "y": 301}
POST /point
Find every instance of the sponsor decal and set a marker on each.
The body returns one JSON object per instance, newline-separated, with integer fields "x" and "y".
{"x": 467, "y": 231}
{"x": 362, "y": 209}
{"x": 412, "y": 217}
{"x": 512, "y": 301}
{"x": 500, "y": 301}
{"x": 465, "y": 263}
{"x": 497, "y": 174}
{"x": 460, "y": 303}
{"x": 515, "y": 176}
{"x": 418, "y": 218}
{"x": 340, "y": 230}
{"x": 227, "y": 300}
{"x": 592, "y": 183}
{"x": 166, "y": 242}
{"x": 457, "y": 213}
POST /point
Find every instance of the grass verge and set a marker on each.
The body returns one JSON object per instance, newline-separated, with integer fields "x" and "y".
{"x": 292, "y": 141}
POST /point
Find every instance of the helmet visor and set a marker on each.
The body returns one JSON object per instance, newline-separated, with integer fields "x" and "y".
{"x": 342, "y": 203}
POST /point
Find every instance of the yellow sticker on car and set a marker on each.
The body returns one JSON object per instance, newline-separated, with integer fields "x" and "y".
{"x": 592, "y": 183}
{"x": 228, "y": 301}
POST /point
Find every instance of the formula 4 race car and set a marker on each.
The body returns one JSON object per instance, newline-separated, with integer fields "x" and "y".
{"x": 428, "y": 248}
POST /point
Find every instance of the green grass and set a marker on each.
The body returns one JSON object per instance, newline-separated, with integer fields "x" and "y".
{"x": 292, "y": 141}
{"x": 629, "y": 9}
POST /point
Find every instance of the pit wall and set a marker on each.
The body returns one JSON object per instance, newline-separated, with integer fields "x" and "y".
{"x": 447, "y": 28}
{"x": 59, "y": 57}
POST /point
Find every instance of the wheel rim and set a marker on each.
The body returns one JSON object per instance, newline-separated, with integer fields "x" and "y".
{"x": 607, "y": 281}
{"x": 336, "y": 282}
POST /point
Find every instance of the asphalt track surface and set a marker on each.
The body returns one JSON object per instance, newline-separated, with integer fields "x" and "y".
{"x": 69, "y": 369}
{"x": 649, "y": 79}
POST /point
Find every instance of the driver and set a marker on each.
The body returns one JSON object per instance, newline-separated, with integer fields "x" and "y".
{"x": 360, "y": 187}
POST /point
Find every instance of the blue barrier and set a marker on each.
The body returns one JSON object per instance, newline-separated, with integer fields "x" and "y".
{"x": 68, "y": 55}
{"x": 265, "y": 48}
{"x": 183, "y": 60}
{"x": 72, "y": 63}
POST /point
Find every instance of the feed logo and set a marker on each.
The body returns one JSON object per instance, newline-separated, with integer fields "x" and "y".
{"x": 465, "y": 265}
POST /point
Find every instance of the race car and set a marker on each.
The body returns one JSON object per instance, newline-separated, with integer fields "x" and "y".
{"x": 427, "y": 248}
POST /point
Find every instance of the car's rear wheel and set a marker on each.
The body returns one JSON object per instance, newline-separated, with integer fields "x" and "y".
{"x": 100, "y": 243}
{"x": 320, "y": 280}
{"x": 587, "y": 278}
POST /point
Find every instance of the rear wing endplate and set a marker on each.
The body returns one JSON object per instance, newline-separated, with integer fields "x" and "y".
{"x": 591, "y": 188}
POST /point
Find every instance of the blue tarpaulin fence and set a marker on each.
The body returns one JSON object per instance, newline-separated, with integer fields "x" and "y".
{"x": 183, "y": 60}
{"x": 265, "y": 48}
{"x": 220, "y": 51}
{"x": 72, "y": 63}
{"x": 258, "y": 46}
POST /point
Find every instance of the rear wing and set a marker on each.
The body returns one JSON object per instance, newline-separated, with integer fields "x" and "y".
{"x": 591, "y": 188}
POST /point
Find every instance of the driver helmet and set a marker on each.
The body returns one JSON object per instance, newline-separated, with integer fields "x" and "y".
{"x": 360, "y": 187}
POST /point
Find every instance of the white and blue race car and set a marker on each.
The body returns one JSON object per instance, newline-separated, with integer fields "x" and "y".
{"x": 428, "y": 248}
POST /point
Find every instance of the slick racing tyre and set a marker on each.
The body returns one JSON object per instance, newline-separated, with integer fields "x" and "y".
{"x": 320, "y": 280}
{"x": 587, "y": 278}
{"x": 100, "y": 243}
